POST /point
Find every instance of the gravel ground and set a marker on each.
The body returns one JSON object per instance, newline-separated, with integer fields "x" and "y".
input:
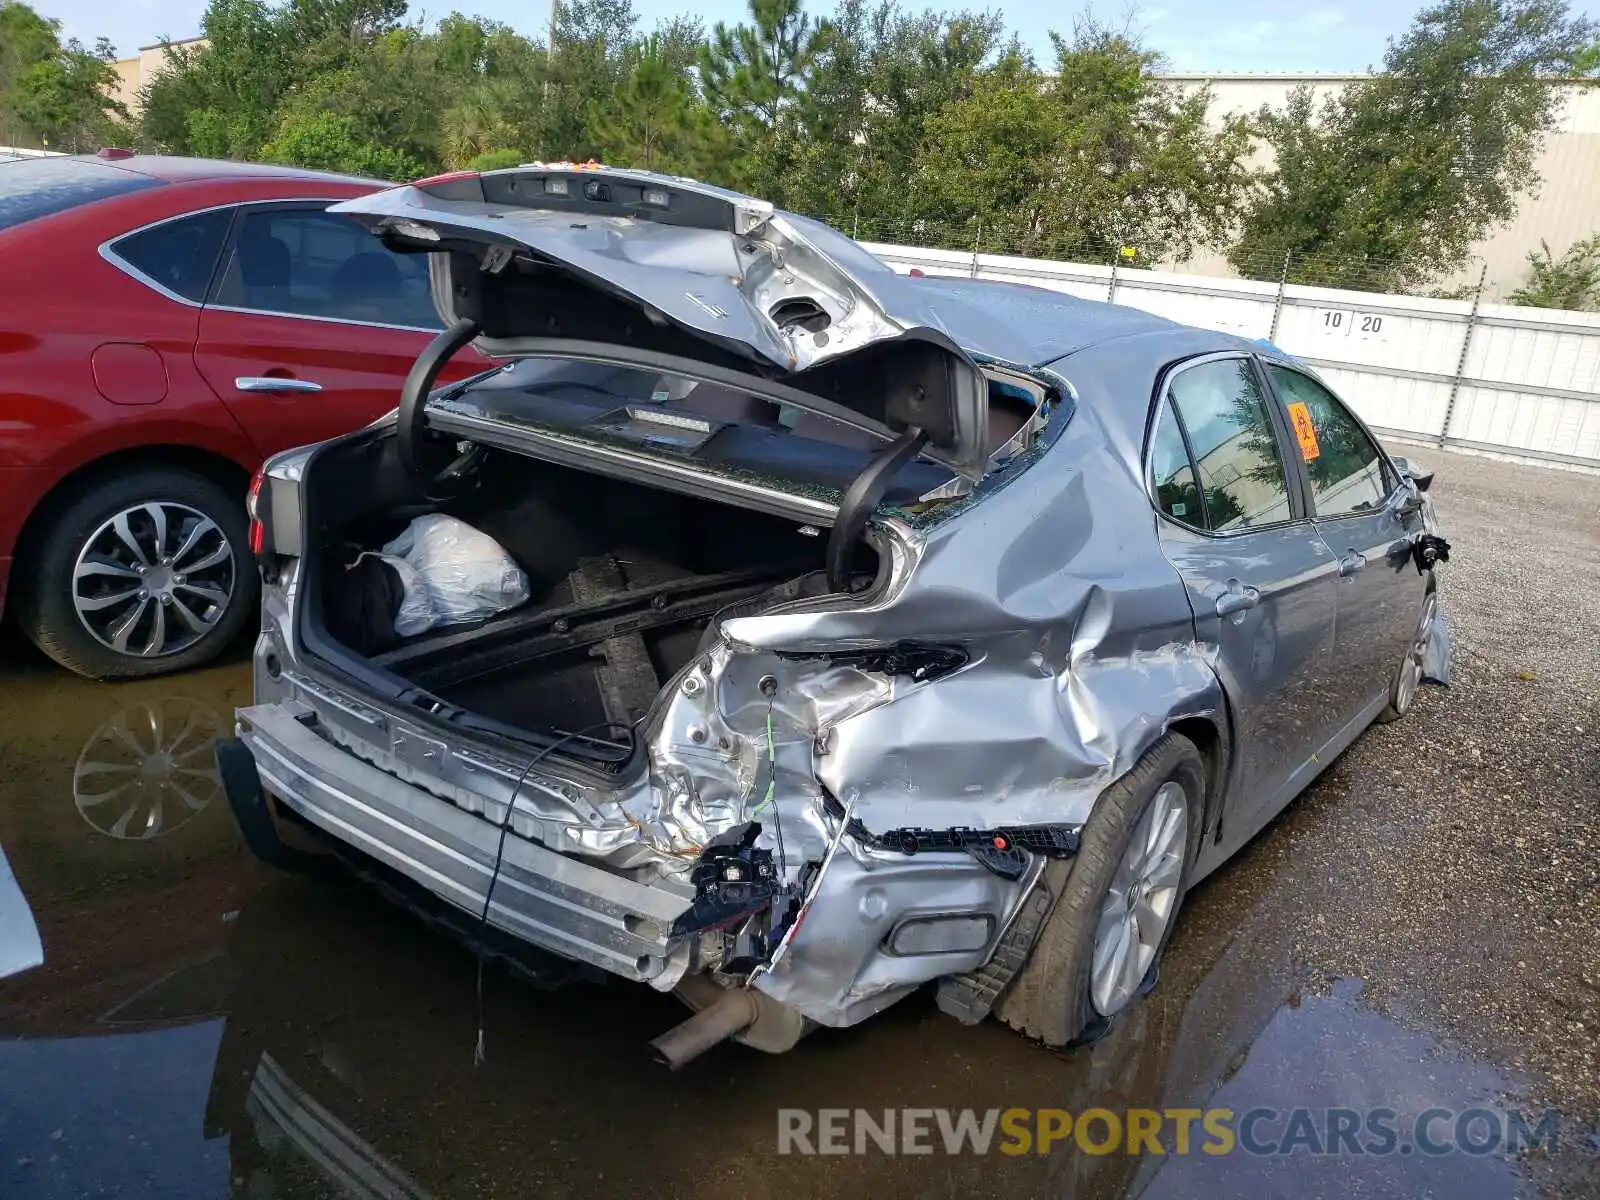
{"x": 1457, "y": 853}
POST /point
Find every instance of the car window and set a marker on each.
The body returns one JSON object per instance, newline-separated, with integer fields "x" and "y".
{"x": 31, "y": 188}
{"x": 179, "y": 255}
{"x": 1342, "y": 462}
{"x": 1177, "y": 494}
{"x": 311, "y": 263}
{"x": 1230, "y": 429}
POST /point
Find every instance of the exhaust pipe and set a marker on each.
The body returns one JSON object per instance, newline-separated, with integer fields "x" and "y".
{"x": 734, "y": 1012}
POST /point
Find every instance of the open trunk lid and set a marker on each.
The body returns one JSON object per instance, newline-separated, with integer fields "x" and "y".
{"x": 637, "y": 259}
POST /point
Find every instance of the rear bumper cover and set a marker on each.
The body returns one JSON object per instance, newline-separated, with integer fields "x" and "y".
{"x": 839, "y": 967}
{"x": 553, "y": 901}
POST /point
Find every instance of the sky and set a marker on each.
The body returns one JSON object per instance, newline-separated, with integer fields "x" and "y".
{"x": 1195, "y": 35}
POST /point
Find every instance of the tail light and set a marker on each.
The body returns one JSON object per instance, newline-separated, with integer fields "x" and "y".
{"x": 258, "y": 507}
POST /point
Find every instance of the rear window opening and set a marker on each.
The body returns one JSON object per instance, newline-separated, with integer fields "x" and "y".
{"x": 718, "y": 427}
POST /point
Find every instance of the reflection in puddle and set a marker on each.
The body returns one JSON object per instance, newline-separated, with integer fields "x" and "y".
{"x": 282, "y": 1116}
{"x": 344, "y": 1069}
{"x": 149, "y": 770}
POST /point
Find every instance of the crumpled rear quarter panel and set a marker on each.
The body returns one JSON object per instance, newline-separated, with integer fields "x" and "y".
{"x": 1082, "y": 655}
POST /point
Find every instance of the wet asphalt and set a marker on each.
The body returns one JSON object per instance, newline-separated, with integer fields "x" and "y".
{"x": 1421, "y": 929}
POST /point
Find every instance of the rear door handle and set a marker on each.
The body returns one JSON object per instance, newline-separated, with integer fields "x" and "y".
{"x": 1351, "y": 563}
{"x": 1237, "y": 598}
{"x": 274, "y": 383}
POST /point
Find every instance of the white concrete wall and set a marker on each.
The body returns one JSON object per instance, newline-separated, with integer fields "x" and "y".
{"x": 1525, "y": 381}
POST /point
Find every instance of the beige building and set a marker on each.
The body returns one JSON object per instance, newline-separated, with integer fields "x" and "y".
{"x": 1566, "y": 208}
{"x": 133, "y": 73}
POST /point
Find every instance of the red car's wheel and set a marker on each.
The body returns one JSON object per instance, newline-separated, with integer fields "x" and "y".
{"x": 145, "y": 572}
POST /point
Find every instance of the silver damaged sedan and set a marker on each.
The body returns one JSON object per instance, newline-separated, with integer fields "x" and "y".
{"x": 870, "y": 631}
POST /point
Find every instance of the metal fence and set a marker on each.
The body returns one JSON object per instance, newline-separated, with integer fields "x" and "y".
{"x": 1514, "y": 382}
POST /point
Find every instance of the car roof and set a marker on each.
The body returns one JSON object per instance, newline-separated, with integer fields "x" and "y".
{"x": 1032, "y": 325}
{"x": 174, "y": 169}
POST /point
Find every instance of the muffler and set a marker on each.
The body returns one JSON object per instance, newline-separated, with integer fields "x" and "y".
{"x": 732, "y": 1013}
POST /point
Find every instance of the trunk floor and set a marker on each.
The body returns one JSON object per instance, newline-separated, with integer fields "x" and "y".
{"x": 566, "y": 700}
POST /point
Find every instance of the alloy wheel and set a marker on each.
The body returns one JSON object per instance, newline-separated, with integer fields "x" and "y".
{"x": 154, "y": 579}
{"x": 1141, "y": 901}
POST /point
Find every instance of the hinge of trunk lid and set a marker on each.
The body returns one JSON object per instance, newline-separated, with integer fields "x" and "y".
{"x": 861, "y": 498}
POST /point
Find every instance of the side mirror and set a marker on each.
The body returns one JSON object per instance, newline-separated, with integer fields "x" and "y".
{"x": 1421, "y": 477}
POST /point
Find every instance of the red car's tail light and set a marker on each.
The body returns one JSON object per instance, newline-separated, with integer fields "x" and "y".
{"x": 257, "y": 511}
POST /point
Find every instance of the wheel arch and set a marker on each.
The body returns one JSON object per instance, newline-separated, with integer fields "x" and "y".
{"x": 222, "y": 469}
{"x": 1211, "y": 739}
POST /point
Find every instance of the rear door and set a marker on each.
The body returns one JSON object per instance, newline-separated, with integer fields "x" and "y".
{"x": 1355, "y": 501}
{"x": 1261, "y": 581}
{"x": 312, "y": 325}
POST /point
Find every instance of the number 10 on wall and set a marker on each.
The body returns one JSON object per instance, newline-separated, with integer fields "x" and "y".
{"x": 1348, "y": 321}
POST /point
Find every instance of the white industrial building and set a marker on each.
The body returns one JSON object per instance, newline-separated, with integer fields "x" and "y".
{"x": 1565, "y": 210}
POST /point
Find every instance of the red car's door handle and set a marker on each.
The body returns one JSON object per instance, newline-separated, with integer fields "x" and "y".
{"x": 274, "y": 383}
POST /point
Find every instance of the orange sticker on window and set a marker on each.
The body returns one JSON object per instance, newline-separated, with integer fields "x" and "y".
{"x": 1300, "y": 415}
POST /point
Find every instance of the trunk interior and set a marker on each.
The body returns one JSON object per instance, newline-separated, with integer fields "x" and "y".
{"x": 624, "y": 583}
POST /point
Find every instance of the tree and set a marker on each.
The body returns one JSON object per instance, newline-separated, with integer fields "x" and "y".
{"x": 1103, "y": 159}
{"x": 1141, "y": 174}
{"x": 589, "y": 42}
{"x": 654, "y": 119}
{"x": 325, "y": 141}
{"x": 26, "y": 39}
{"x": 496, "y": 160}
{"x": 66, "y": 99}
{"x": 50, "y": 92}
{"x": 989, "y": 161}
{"x": 1390, "y": 183}
{"x": 1571, "y": 281}
{"x": 753, "y": 75}
{"x": 880, "y": 76}
{"x": 221, "y": 100}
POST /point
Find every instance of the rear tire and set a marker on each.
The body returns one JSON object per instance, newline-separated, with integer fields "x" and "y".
{"x": 1053, "y": 997}
{"x": 96, "y": 596}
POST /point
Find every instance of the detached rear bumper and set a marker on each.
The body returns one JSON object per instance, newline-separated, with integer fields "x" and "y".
{"x": 560, "y": 904}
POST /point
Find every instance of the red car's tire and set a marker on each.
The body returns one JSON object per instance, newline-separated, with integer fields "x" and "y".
{"x": 144, "y": 572}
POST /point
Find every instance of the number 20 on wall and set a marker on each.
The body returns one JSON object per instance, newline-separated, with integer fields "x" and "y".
{"x": 1339, "y": 320}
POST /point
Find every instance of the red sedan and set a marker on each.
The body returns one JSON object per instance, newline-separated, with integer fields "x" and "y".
{"x": 165, "y": 324}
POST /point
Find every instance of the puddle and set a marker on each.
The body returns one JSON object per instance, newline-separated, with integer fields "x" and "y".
{"x": 203, "y": 1027}
{"x": 148, "y": 770}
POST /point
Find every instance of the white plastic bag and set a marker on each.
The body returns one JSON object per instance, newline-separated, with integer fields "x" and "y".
{"x": 451, "y": 573}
